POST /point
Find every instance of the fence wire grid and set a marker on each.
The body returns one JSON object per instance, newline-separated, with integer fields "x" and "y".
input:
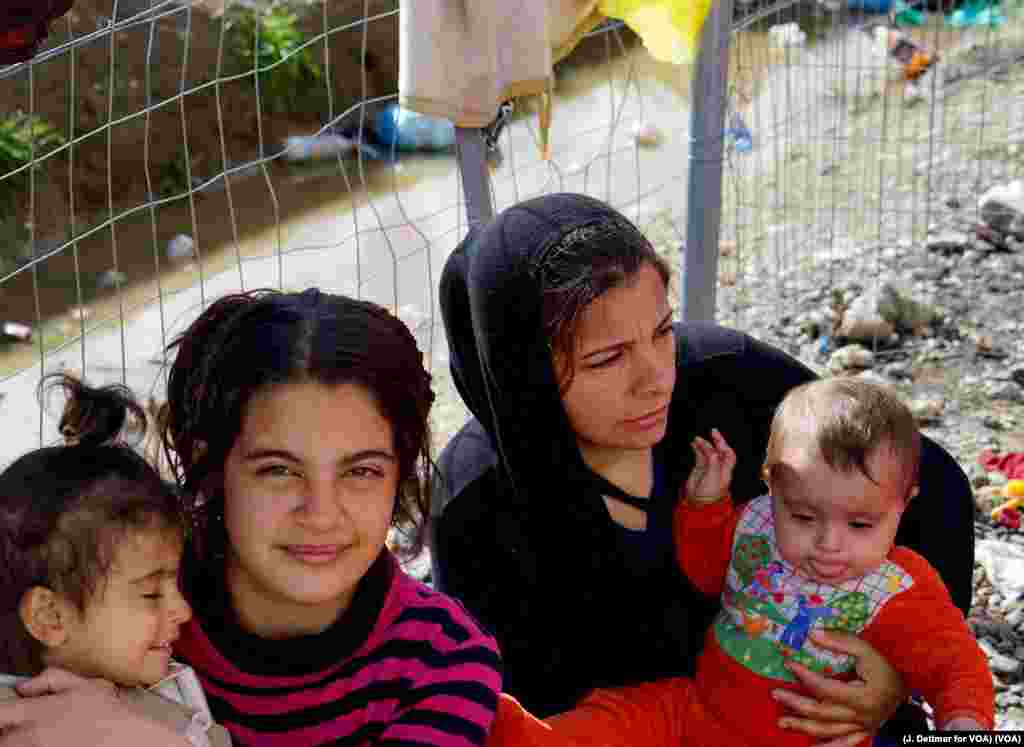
{"x": 157, "y": 177}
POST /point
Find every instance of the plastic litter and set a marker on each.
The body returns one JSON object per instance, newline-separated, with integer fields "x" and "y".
{"x": 16, "y": 331}
{"x": 325, "y": 146}
{"x": 904, "y": 15}
{"x": 181, "y": 247}
{"x": 977, "y": 13}
{"x": 870, "y": 6}
{"x": 407, "y": 130}
{"x": 787, "y": 35}
{"x": 646, "y": 133}
{"x": 739, "y": 133}
{"x": 1004, "y": 565}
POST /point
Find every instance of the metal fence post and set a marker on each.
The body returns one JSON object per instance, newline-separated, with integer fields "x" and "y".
{"x": 708, "y": 92}
{"x": 471, "y": 152}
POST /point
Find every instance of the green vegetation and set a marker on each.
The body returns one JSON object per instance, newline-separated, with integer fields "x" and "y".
{"x": 23, "y": 139}
{"x": 268, "y": 40}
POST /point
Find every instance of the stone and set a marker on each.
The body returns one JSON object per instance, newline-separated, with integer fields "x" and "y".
{"x": 927, "y": 409}
{"x": 1002, "y": 207}
{"x": 1015, "y": 618}
{"x": 863, "y": 321}
{"x": 988, "y": 497}
{"x": 1006, "y": 391}
{"x": 947, "y": 242}
{"x": 1003, "y": 664}
{"x": 181, "y": 247}
{"x": 111, "y": 279}
{"x": 905, "y": 312}
{"x": 851, "y": 357}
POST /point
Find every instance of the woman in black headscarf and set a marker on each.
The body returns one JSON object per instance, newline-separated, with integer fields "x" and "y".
{"x": 553, "y": 522}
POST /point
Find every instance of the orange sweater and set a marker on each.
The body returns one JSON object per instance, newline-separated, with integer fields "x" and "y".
{"x": 903, "y": 611}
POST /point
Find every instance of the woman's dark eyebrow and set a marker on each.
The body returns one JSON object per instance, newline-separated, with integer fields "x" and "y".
{"x": 358, "y": 456}
{"x": 609, "y": 348}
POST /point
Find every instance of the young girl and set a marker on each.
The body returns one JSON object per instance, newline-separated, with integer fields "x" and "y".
{"x": 91, "y": 540}
{"x": 298, "y": 429}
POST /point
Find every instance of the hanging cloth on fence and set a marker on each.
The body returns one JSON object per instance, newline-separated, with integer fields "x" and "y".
{"x": 670, "y": 29}
{"x": 460, "y": 60}
{"x": 24, "y": 24}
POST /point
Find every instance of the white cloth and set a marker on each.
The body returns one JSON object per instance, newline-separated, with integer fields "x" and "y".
{"x": 177, "y": 700}
{"x": 460, "y": 59}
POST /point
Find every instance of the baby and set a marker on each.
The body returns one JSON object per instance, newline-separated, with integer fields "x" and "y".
{"x": 91, "y": 540}
{"x": 818, "y": 551}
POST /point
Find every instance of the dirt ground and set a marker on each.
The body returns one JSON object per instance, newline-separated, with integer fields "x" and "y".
{"x": 151, "y": 149}
{"x": 111, "y": 169}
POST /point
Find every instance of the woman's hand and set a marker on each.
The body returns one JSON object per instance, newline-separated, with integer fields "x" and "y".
{"x": 60, "y": 709}
{"x": 712, "y": 469}
{"x": 843, "y": 712}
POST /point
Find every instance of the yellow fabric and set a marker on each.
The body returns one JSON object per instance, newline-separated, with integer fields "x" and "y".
{"x": 670, "y": 29}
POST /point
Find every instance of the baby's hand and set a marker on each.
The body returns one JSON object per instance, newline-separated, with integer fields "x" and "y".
{"x": 712, "y": 472}
{"x": 963, "y": 723}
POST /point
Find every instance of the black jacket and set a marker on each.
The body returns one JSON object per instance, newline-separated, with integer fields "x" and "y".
{"x": 520, "y": 533}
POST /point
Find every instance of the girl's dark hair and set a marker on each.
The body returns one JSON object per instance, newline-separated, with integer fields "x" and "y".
{"x": 243, "y": 344}
{"x": 580, "y": 266}
{"x": 64, "y": 509}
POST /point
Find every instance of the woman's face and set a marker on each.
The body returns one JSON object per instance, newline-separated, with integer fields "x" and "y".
{"x": 624, "y": 366}
{"x": 309, "y": 491}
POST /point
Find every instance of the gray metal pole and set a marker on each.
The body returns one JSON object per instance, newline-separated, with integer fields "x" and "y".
{"x": 471, "y": 152}
{"x": 699, "y": 255}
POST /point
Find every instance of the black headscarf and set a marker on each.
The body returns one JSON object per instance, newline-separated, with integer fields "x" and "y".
{"x": 556, "y": 521}
{"x": 500, "y": 356}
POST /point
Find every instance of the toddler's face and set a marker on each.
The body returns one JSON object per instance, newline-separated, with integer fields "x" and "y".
{"x": 836, "y": 526}
{"x": 128, "y": 627}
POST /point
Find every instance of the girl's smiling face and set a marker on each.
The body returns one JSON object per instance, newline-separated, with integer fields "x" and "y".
{"x": 126, "y": 631}
{"x": 309, "y": 493}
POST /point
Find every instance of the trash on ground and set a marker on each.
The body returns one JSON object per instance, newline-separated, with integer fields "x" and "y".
{"x": 787, "y": 35}
{"x": 325, "y": 146}
{"x": 977, "y": 13}
{"x": 16, "y": 331}
{"x": 1004, "y": 566}
{"x": 402, "y": 129}
{"x": 646, "y": 134}
{"x": 739, "y": 133}
{"x": 1010, "y": 464}
{"x": 905, "y": 15}
{"x": 181, "y": 247}
{"x": 1008, "y": 513}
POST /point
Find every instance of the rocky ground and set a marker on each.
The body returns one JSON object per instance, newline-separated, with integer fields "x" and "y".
{"x": 961, "y": 365}
{"x": 941, "y": 320}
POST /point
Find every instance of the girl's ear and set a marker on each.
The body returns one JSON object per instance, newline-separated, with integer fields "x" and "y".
{"x": 46, "y": 616}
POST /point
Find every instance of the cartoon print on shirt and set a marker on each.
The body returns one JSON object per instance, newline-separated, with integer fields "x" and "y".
{"x": 769, "y": 610}
{"x": 766, "y": 581}
{"x": 795, "y": 634}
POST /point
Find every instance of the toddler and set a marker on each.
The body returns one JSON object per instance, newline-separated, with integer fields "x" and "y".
{"x": 90, "y": 543}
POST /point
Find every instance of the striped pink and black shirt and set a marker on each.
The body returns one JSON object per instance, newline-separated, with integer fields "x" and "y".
{"x": 404, "y": 665}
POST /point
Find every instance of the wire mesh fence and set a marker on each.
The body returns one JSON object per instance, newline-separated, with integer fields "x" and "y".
{"x": 166, "y": 152}
{"x": 846, "y": 154}
{"x": 174, "y": 160}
